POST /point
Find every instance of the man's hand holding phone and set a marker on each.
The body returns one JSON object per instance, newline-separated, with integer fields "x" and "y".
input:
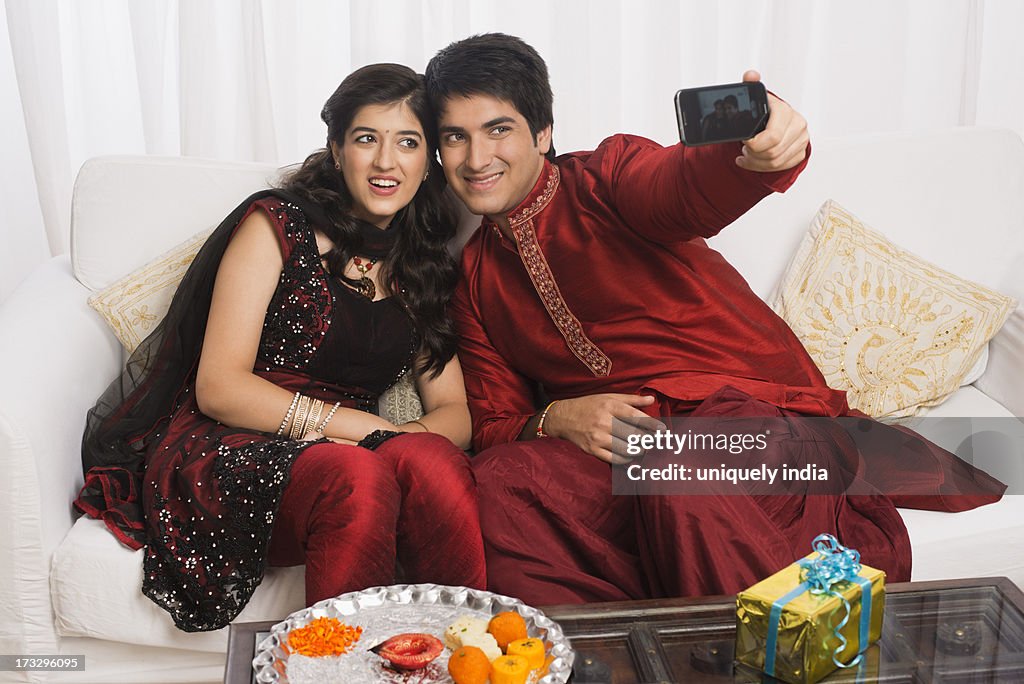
{"x": 774, "y": 135}
{"x": 782, "y": 144}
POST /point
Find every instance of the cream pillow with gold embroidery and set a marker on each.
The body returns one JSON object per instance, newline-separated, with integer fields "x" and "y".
{"x": 894, "y": 331}
{"x": 136, "y": 303}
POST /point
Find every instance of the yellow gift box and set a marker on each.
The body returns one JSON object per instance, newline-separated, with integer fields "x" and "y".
{"x": 789, "y": 628}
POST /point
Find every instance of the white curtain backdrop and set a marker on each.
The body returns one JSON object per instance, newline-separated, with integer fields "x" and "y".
{"x": 245, "y": 79}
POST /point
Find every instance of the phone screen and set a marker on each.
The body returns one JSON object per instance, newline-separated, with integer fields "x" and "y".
{"x": 721, "y": 113}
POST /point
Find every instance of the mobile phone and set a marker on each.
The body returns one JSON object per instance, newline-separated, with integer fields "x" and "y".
{"x": 721, "y": 113}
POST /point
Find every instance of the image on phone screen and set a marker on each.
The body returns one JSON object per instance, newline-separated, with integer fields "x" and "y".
{"x": 721, "y": 113}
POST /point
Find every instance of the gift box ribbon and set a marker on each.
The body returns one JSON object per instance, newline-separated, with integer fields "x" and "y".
{"x": 835, "y": 563}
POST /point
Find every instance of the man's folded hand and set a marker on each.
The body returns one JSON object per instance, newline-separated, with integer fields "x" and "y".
{"x": 601, "y": 424}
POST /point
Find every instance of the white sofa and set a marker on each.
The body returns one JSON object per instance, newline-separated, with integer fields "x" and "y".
{"x": 67, "y": 587}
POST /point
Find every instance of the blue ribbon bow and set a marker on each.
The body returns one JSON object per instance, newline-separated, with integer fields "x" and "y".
{"x": 835, "y": 563}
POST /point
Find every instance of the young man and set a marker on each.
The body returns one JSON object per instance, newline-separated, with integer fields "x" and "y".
{"x": 590, "y": 284}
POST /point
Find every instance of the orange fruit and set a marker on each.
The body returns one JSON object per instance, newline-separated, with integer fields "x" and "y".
{"x": 531, "y": 649}
{"x": 469, "y": 665}
{"x": 506, "y": 628}
{"x": 510, "y": 670}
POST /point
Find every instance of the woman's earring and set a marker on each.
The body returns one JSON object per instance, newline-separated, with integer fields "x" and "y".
{"x": 426, "y": 175}
{"x": 337, "y": 165}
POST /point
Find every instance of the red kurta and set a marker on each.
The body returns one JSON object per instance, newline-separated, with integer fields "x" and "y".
{"x": 610, "y": 287}
{"x": 634, "y": 297}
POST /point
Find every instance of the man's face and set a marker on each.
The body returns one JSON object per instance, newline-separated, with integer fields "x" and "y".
{"x": 489, "y": 155}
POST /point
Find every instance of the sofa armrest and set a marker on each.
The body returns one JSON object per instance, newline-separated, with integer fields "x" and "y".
{"x": 58, "y": 358}
{"x": 1004, "y": 376}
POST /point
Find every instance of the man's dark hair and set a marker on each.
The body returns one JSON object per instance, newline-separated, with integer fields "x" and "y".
{"x": 498, "y": 65}
{"x": 731, "y": 99}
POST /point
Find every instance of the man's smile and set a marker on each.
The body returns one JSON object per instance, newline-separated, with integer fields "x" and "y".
{"x": 483, "y": 183}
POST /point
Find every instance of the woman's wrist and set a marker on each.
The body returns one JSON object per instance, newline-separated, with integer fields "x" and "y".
{"x": 353, "y": 425}
{"x": 413, "y": 426}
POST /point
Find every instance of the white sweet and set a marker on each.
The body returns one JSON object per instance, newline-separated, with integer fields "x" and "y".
{"x": 485, "y": 642}
{"x": 466, "y": 625}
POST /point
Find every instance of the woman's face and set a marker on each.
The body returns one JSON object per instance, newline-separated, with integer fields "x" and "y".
{"x": 383, "y": 158}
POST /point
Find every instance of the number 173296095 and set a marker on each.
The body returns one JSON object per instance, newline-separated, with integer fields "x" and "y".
{"x": 43, "y": 663}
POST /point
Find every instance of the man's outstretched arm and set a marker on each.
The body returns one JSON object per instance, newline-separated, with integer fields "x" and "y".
{"x": 676, "y": 193}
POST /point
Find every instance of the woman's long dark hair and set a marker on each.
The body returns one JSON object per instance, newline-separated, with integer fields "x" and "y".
{"x": 419, "y": 270}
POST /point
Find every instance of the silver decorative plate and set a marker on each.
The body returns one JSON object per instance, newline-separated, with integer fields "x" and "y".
{"x": 383, "y": 612}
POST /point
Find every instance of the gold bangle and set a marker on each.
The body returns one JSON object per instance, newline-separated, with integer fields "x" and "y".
{"x": 425, "y": 428}
{"x": 543, "y": 416}
{"x": 316, "y": 408}
{"x": 300, "y": 417}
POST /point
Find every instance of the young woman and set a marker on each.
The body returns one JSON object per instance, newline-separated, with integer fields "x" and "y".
{"x": 241, "y": 432}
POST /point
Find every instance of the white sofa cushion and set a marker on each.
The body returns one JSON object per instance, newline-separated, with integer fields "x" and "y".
{"x": 984, "y": 542}
{"x": 119, "y": 217}
{"x": 966, "y": 402}
{"x": 942, "y": 190}
{"x": 1004, "y": 375}
{"x": 96, "y": 589}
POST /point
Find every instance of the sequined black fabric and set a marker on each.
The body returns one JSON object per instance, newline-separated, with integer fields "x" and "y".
{"x": 201, "y": 570}
{"x": 296, "y": 320}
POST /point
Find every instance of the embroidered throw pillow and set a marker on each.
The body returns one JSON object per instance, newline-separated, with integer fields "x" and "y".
{"x": 136, "y": 303}
{"x": 894, "y": 331}
{"x": 401, "y": 403}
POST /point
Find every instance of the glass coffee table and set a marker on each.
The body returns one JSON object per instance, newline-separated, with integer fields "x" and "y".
{"x": 948, "y": 631}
